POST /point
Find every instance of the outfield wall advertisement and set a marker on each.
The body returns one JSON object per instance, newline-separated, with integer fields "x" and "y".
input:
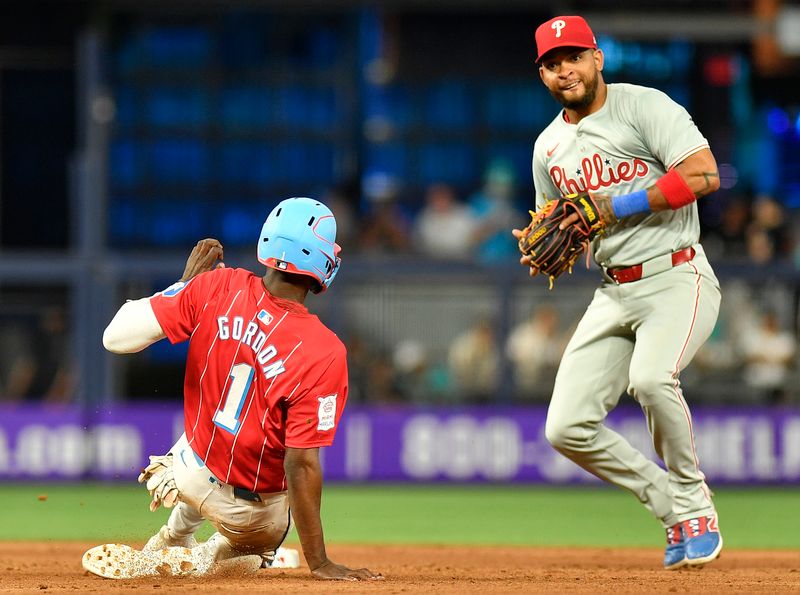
{"x": 742, "y": 446}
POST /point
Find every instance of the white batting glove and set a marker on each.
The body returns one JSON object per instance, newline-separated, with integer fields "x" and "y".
{"x": 159, "y": 479}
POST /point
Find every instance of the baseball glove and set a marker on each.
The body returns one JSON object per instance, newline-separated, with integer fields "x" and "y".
{"x": 553, "y": 250}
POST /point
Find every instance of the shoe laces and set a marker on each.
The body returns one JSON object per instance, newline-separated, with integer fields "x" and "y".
{"x": 700, "y": 525}
{"x": 674, "y": 535}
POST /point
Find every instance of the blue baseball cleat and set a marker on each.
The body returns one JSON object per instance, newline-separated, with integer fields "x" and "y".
{"x": 703, "y": 540}
{"x": 675, "y": 554}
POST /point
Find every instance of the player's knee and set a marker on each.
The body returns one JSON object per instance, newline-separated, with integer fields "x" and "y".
{"x": 646, "y": 386}
{"x": 564, "y": 435}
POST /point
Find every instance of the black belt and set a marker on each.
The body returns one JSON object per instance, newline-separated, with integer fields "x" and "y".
{"x": 244, "y": 494}
{"x": 240, "y": 493}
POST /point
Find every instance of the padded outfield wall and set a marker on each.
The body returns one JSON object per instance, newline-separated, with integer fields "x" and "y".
{"x": 747, "y": 445}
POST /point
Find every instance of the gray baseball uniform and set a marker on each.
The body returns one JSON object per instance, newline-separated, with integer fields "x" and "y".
{"x": 634, "y": 336}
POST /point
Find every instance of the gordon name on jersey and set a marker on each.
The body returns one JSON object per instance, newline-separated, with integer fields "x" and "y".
{"x": 254, "y": 337}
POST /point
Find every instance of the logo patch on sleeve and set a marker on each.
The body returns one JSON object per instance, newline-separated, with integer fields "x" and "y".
{"x": 326, "y": 414}
{"x": 174, "y": 289}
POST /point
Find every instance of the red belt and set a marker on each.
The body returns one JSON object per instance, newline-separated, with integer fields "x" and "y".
{"x": 634, "y": 273}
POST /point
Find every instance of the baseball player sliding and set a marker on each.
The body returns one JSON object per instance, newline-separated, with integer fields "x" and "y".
{"x": 265, "y": 387}
{"x": 637, "y": 163}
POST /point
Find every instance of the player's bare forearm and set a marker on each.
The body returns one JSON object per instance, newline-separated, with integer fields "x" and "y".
{"x": 304, "y": 480}
{"x": 207, "y": 255}
{"x": 700, "y": 173}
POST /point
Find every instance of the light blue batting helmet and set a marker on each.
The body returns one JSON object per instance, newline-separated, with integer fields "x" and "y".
{"x": 299, "y": 236}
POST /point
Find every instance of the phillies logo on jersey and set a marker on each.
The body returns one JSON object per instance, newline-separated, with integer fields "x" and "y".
{"x": 595, "y": 173}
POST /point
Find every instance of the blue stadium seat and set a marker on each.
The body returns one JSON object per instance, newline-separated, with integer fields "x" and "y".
{"x": 391, "y": 104}
{"x": 178, "y": 107}
{"x": 243, "y": 41}
{"x": 178, "y": 222}
{"x": 448, "y": 162}
{"x": 388, "y": 157}
{"x": 240, "y": 222}
{"x": 246, "y": 163}
{"x": 322, "y": 108}
{"x": 246, "y": 107}
{"x": 122, "y": 226}
{"x": 304, "y": 163}
{"x": 180, "y": 161}
{"x": 127, "y": 108}
{"x": 177, "y": 47}
{"x": 125, "y": 166}
{"x": 449, "y": 105}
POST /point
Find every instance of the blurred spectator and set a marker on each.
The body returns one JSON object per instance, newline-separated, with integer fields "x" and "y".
{"x": 474, "y": 362}
{"x": 444, "y": 227}
{"x": 768, "y": 236}
{"x": 342, "y": 200}
{"x": 36, "y": 360}
{"x": 358, "y": 363}
{"x": 493, "y": 206}
{"x": 17, "y": 362}
{"x": 718, "y": 353}
{"x": 418, "y": 379}
{"x": 726, "y": 240}
{"x": 534, "y": 348}
{"x": 769, "y": 353}
{"x": 371, "y": 375}
{"x": 386, "y": 226}
{"x": 760, "y": 247}
{"x": 381, "y": 386}
{"x": 732, "y": 231}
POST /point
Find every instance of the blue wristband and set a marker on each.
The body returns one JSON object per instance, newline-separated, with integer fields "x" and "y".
{"x": 630, "y": 204}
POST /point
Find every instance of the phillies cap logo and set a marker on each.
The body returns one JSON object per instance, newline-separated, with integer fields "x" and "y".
{"x": 561, "y": 32}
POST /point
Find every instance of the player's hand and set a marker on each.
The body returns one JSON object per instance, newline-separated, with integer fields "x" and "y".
{"x": 159, "y": 479}
{"x": 332, "y": 571}
{"x": 526, "y": 259}
{"x": 604, "y": 208}
{"x": 570, "y": 220}
{"x": 206, "y": 256}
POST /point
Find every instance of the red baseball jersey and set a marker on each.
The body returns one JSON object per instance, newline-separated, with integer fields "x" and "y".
{"x": 262, "y": 374}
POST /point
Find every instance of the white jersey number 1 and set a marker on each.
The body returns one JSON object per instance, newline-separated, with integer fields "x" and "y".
{"x": 227, "y": 418}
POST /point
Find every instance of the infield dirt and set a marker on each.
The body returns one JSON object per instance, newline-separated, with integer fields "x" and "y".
{"x": 55, "y": 567}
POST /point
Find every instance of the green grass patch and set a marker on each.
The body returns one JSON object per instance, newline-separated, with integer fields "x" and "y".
{"x": 447, "y": 514}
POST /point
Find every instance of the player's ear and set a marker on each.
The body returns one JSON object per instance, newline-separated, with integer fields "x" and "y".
{"x": 599, "y": 59}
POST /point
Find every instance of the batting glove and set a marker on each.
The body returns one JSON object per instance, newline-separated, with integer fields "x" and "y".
{"x": 159, "y": 479}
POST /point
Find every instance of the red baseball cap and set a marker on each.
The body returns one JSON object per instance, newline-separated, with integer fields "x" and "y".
{"x": 565, "y": 31}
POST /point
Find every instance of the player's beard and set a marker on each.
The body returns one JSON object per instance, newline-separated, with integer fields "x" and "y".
{"x": 579, "y": 103}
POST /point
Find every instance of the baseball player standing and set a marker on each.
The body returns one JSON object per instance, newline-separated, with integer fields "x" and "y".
{"x": 265, "y": 387}
{"x": 643, "y": 159}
